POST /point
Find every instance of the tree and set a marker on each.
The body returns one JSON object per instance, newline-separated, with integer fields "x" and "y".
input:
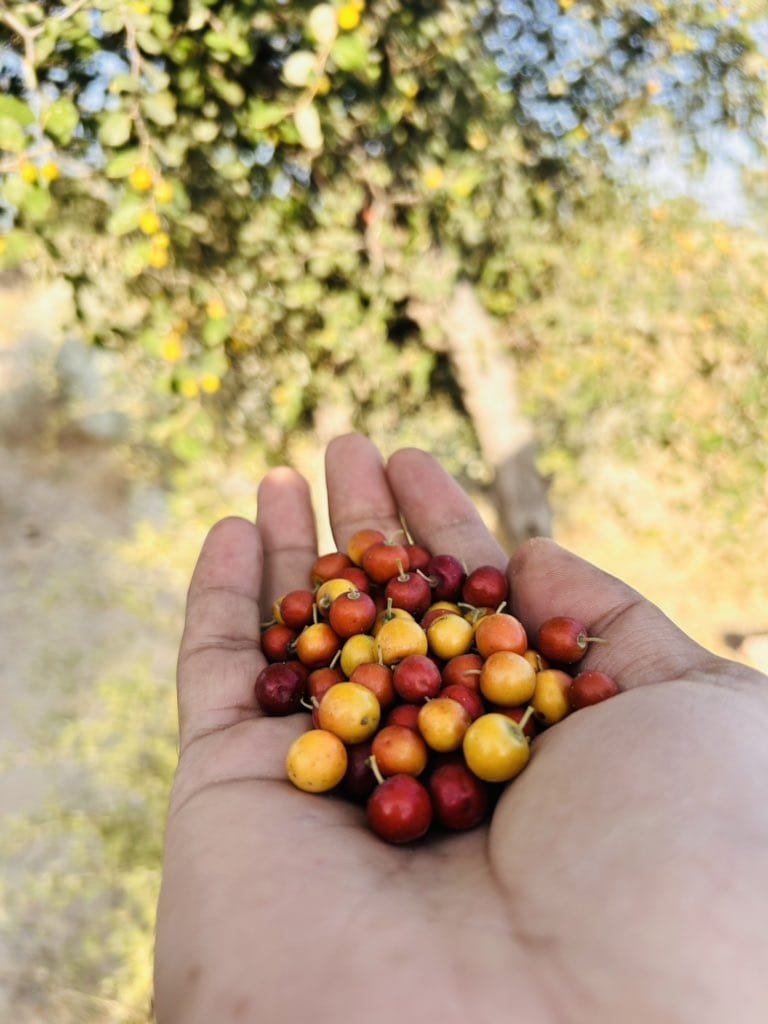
{"x": 266, "y": 205}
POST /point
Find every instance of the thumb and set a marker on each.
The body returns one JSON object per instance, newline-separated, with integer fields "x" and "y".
{"x": 643, "y": 646}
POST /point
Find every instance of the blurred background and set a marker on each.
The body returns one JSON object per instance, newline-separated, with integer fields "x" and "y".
{"x": 527, "y": 236}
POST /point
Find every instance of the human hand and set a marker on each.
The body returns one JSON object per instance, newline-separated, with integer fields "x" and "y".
{"x": 621, "y": 880}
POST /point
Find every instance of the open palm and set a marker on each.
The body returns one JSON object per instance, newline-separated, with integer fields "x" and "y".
{"x": 622, "y": 879}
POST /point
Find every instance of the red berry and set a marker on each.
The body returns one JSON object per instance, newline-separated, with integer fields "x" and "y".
{"x": 404, "y": 714}
{"x": 418, "y": 556}
{"x": 417, "y": 678}
{"x": 563, "y": 639}
{"x": 469, "y": 699}
{"x": 446, "y": 575}
{"x": 591, "y": 687}
{"x": 411, "y": 592}
{"x": 359, "y": 781}
{"x": 399, "y": 810}
{"x": 279, "y": 689}
{"x": 485, "y": 587}
{"x": 351, "y": 613}
{"x": 277, "y": 642}
{"x": 459, "y": 798}
{"x": 295, "y": 608}
{"x": 383, "y": 560}
{"x": 328, "y": 567}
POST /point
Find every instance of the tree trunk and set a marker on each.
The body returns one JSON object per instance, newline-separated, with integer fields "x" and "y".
{"x": 488, "y": 380}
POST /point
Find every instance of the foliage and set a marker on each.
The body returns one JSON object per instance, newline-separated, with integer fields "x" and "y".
{"x": 250, "y": 198}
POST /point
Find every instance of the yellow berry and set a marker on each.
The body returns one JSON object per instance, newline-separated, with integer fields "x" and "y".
{"x": 163, "y": 192}
{"x": 495, "y": 748}
{"x": 433, "y": 178}
{"x": 357, "y": 650}
{"x": 215, "y": 309}
{"x": 507, "y": 679}
{"x": 149, "y": 222}
{"x": 450, "y": 635}
{"x": 28, "y": 172}
{"x": 141, "y": 178}
{"x": 550, "y": 696}
{"x": 210, "y": 383}
{"x": 350, "y": 711}
{"x": 400, "y": 637}
{"x": 327, "y": 592}
{"x": 316, "y": 761}
{"x": 171, "y": 349}
{"x": 348, "y": 17}
{"x": 158, "y": 258}
{"x": 443, "y": 723}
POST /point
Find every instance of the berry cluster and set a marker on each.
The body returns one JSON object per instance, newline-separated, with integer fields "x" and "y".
{"x": 424, "y": 693}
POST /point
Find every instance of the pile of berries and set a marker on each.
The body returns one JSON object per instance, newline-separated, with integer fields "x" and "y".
{"x": 424, "y": 693}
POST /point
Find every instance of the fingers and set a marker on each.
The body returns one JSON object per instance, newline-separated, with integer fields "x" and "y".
{"x": 643, "y": 646}
{"x": 286, "y": 524}
{"x": 359, "y": 496}
{"x": 220, "y": 657}
{"x": 438, "y": 513}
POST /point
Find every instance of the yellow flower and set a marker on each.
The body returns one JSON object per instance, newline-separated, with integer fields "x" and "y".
{"x": 189, "y": 388}
{"x": 348, "y": 17}
{"x": 215, "y": 309}
{"x": 140, "y": 7}
{"x": 433, "y": 178}
{"x": 141, "y": 178}
{"x": 323, "y": 86}
{"x": 171, "y": 349}
{"x": 149, "y": 222}
{"x": 653, "y": 87}
{"x": 210, "y": 383}
{"x": 162, "y": 240}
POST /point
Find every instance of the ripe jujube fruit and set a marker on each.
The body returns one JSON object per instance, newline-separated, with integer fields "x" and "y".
{"x": 417, "y": 678}
{"x": 591, "y": 687}
{"x": 399, "y": 751}
{"x": 277, "y": 642}
{"x": 385, "y": 559}
{"x": 460, "y": 800}
{"x": 399, "y": 810}
{"x": 359, "y": 543}
{"x": 446, "y": 577}
{"x": 485, "y": 587}
{"x": 279, "y": 689}
{"x": 294, "y": 609}
{"x": 326, "y": 567}
{"x": 316, "y": 761}
{"x": 500, "y": 632}
{"x": 564, "y": 639}
{"x": 410, "y": 591}
{"x": 352, "y": 612}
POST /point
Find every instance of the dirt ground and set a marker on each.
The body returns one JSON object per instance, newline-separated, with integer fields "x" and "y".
{"x": 64, "y": 506}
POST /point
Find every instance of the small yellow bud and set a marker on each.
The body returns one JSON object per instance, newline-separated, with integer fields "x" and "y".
{"x": 189, "y": 388}
{"x": 158, "y": 258}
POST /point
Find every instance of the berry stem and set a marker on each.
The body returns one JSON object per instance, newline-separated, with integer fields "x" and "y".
{"x": 526, "y": 716}
{"x": 373, "y": 765}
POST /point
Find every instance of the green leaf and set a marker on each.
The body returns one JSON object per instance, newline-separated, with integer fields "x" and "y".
{"x": 15, "y": 109}
{"x": 215, "y": 332}
{"x": 124, "y": 83}
{"x": 14, "y": 189}
{"x": 17, "y": 247}
{"x": 322, "y": 24}
{"x": 350, "y": 53}
{"x": 36, "y": 204}
{"x": 149, "y": 43}
{"x": 307, "y": 123}
{"x": 263, "y": 115}
{"x": 231, "y": 92}
{"x": 299, "y": 68}
{"x": 12, "y": 137}
{"x": 160, "y": 108}
{"x": 121, "y": 165}
{"x": 60, "y": 121}
{"x": 136, "y": 258}
{"x": 115, "y": 129}
{"x": 127, "y": 215}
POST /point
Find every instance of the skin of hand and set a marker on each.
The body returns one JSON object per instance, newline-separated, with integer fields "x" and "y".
{"x": 622, "y": 880}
